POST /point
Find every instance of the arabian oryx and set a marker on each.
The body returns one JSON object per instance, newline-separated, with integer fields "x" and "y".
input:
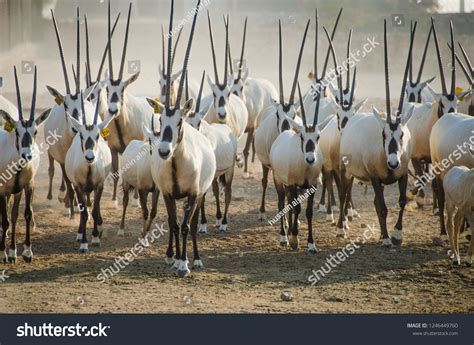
{"x": 378, "y": 151}
{"x": 19, "y": 163}
{"x": 130, "y": 112}
{"x": 59, "y": 121}
{"x": 466, "y": 98}
{"x": 226, "y": 108}
{"x": 274, "y": 119}
{"x": 183, "y": 166}
{"x": 88, "y": 163}
{"x": 257, "y": 94}
{"x": 224, "y": 144}
{"x": 331, "y": 137}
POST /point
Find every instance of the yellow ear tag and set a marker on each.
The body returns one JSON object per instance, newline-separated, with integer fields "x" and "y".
{"x": 105, "y": 132}
{"x": 458, "y": 91}
{"x": 155, "y": 107}
{"x": 310, "y": 75}
{"x": 8, "y": 127}
{"x": 58, "y": 101}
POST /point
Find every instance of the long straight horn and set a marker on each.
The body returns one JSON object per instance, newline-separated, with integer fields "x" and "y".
{"x": 186, "y": 93}
{"x": 104, "y": 55}
{"x": 226, "y": 64}
{"x": 168, "y": 65}
{"x": 410, "y": 67}
{"x": 125, "y": 43}
{"x": 339, "y": 77}
{"x": 280, "y": 65}
{"x": 229, "y": 51}
{"x": 351, "y": 99}
{"x": 83, "y": 109}
{"x": 347, "y": 61}
{"x": 88, "y": 58}
{"x": 316, "y": 109}
{"x": 242, "y": 50}
{"x": 404, "y": 80}
{"x": 303, "y": 114}
{"x": 61, "y": 54}
{"x": 466, "y": 58}
{"x": 97, "y": 110}
{"x": 333, "y": 33}
{"x": 315, "y": 67}
{"x": 33, "y": 98}
{"x": 175, "y": 46}
{"x": 453, "y": 60}
{"x": 198, "y": 101}
{"x": 109, "y": 34}
{"x": 387, "y": 78}
{"x": 467, "y": 73}
{"x": 78, "y": 53}
{"x": 163, "y": 49}
{"x": 440, "y": 60}
{"x": 216, "y": 75}
{"x": 18, "y": 96}
{"x": 298, "y": 64}
{"x": 418, "y": 78}
{"x": 188, "y": 52}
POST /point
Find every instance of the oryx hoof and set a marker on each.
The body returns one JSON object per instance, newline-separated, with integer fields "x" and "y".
{"x": 420, "y": 201}
{"x": 183, "y": 269}
{"x": 12, "y": 255}
{"x": 79, "y": 237}
{"x": 397, "y": 237}
{"x": 27, "y": 254}
{"x": 95, "y": 242}
{"x": 334, "y": 209}
{"x": 262, "y": 217}
{"x": 456, "y": 262}
{"x": 322, "y": 208}
{"x": 468, "y": 234}
{"x": 120, "y": 232}
{"x": 49, "y": 196}
{"x": 245, "y": 175}
{"x": 169, "y": 260}
{"x": 410, "y": 195}
{"x": 468, "y": 262}
{"x": 283, "y": 240}
{"x": 203, "y": 229}
{"x": 223, "y": 228}
{"x": 312, "y": 248}
{"x": 330, "y": 218}
{"x": 218, "y": 222}
{"x": 175, "y": 265}
{"x": 435, "y": 211}
{"x": 84, "y": 248}
{"x": 294, "y": 242}
{"x": 387, "y": 243}
{"x": 197, "y": 264}
{"x": 340, "y": 233}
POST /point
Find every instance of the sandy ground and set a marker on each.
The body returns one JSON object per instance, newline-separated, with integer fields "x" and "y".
{"x": 245, "y": 269}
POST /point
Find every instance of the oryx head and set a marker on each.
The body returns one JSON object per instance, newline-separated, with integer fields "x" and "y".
{"x": 309, "y": 133}
{"x": 448, "y": 100}
{"x": 90, "y": 134}
{"x": 116, "y": 87}
{"x": 237, "y": 86}
{"x": 319, "y": 84}
{"x": 393, "y": 130}
{"x": 171, "y": 119}
{"x": 414, "y": 87}
{"x": 70, "y": 101}
{"x": 287, "y": 110}
{"x": 196, "y": 115}
{"x": 162, "y": 69}
{"x": 25, "y": 129}
{"x": 469, "y": 74}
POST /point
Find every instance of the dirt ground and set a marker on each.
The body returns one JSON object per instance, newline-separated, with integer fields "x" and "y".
{"x": 245, "y": 269}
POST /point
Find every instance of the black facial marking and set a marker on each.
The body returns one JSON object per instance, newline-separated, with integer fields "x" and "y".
{"x": 89, "y": 145}
{"x": 310, "y": 146}
{"x": 26, "y": 140}
{"x": 75, "y": 114}
{"x": 221, "y": 102}
{"x": 167, "y": 134}
{"x": 114, "y": 97}
{"x": 392, "y": 146}
{"x": 344, "y": 122}
{"x": 285, "y": 125}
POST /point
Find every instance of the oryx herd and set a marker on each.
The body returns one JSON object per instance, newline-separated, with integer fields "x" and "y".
{"x": 183, "y": 142}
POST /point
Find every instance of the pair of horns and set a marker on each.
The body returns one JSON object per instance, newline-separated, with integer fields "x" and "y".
{"x": 78, "y": 55}
{"x": 469, "y": 73}
{"x": 440, "y": 61}
{"x": 241, "y": 62}
{"x": 125, "y": 44}
{"x": 423, "y": 58}
{"x": 404, "y": 80}
{"x": 316, "y": 109}
{"x": 216, "y": 74}
{"x": 104, "y": 55}
{"x": 164, "y": 49}
{"x": 96, "y": 112}
{"x": 18, "y": 97}
{"x": 298, "y": 64}
{"x": 316, "y": 46}
{"x": 186, "y": 57}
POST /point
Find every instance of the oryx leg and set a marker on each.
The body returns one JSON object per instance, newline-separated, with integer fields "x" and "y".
{"x": 417, "y": 192}
{"x": 69, "y": 193}
{"x": 189, "y": 211}
{"x": 331, "y": 202}
{"x": 265, "y": 171}
{"x": 228, "y": 177}
{"x": 253, "y": 149}
{"x": 197, "y": 263}
{"x": 115, "y": 166}
{"x": 322, "y": 206}
{"x": 143, "y": 196}
{"x": 397, "y": 234}
{"x": 280, "y": 189}
{"x": 203, "y": 226}
{"x": 5, "y": 226}
{"x": 14, "y": 217}
{"x": 294, "y": 226}
{"x": 345, "y": 184}
{"x": 215, "y": 190}
{"x": 51, "y": 176}
{"x": 81, "y": 232}
{"x": 248, "y": 143}
{"x": 27, "y": 253}
{"x": 309, "y": 218}
{"x": 173, "y": 224}
{"x": 381, "y": 208}
{"x": 97, "y": 216}
{"x": 441, "y": 200}
{"x": 125, "y": 199}
{"x": 435, "y": 197}
{"x": 470, "y": 251}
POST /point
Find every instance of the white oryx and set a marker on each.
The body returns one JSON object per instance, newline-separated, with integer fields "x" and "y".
{"x": 130, "y": 112}
{"x": 224, "y": 144}
{"x": 458, "y": 185}
{"x": 88, "y": 163}
{"x": 19, "y": 163}
{"x": 466, "y": 98}
{"x": 331, "y": 137}
{"x": 378, "y": 152}
{"x": 274, "y": 119}
{"x": 59, "y": 122}
{"x": 226, "y": 108}
{"x": 136, "y": 174}
{"x": 183, "y": 166}
{"x": 257, "y": 94}
{"x": 297, "y": 161}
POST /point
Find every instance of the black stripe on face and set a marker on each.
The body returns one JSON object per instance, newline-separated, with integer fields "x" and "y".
{"x": 114, "y": 98}
{"x": 344, "y": 122}
{"x": 310, "y": 146}
{"x": 89, "y": 145}
{"x": 285, "y": 125}
{"x": 75, "y": 114}
{"x": 221, "y": 102}
{"x": 167, "y": 134}
{"x": 392, "y": 146}
{"x": 26, "y": 140}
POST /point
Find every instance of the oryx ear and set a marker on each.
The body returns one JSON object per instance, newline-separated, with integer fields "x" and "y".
{"x": 407, "y": 117}
{"x": 274, "y": 103}
{"x": 147, "y": 132}
{"x": 75, "y": 124}
{"x": 158, "y": 107}
{"x": 294, "y": 124}
{"x": 133, "y": 78}
{"x": 176, "y": 75}
{"x": 160, "y": 70}
{"x": 380, "y": 119}
{"x": 231, "y": 79}
{"x": 359, "y": 105}
{"x": 245, "y": 75}
{"x": 106, "y": 74}
{"x": 187, "y": 107}
{"x": 463, "y": 94}
{"x": 7, "y": 117}
{"x": 89, "y": 90}
{"x": 426, "y": 82}
{"x": 43, "y": 116}
{"x": 58, "y": 97}
{"x": 210, "y": 82}
{"x": 436, "y": 96}
{"x": 333, "y": 89}
{"x": 322, "y": 126}
{"x": 106, "y": 121}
